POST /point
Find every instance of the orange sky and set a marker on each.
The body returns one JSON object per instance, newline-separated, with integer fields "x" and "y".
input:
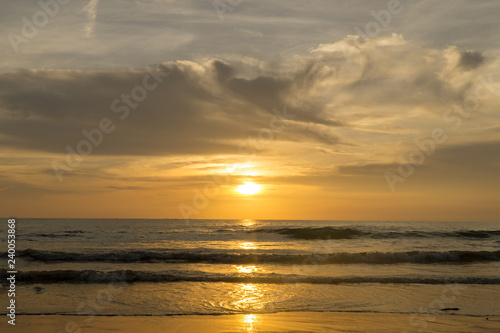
{"x": 399, "y": 125}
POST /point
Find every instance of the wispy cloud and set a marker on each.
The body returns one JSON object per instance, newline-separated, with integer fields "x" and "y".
{"x": 91, "y": 10}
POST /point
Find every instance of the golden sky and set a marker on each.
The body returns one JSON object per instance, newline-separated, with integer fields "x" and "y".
{"x": 337, "y": 110}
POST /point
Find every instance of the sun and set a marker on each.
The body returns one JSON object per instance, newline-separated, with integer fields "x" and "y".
{"x": 249, "y": 188}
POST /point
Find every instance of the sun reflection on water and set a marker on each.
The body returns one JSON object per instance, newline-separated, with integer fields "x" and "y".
{"x": 246, "y": 269}
{"x": 248, "y": 321}
{"x": 248, "y": 296}
{"x": 247, "y": 245}
{"x": 247, "y": 222}
{"x": 250, "y": 299}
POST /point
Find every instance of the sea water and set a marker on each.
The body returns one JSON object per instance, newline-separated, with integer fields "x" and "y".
{"x": 175, "y": 267}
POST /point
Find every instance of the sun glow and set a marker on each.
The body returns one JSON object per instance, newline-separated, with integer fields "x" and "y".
{"x": 250, "y": 318}
{"x": 248, "y": 188}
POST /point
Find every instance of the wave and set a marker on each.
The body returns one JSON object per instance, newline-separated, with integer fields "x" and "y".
{"x": 63, "y": 234}
{"x": 315, "y": 233}
{"x": 419, "y": 257}
{"x": 350, "y": 233}
{"x": 130, "y": 276}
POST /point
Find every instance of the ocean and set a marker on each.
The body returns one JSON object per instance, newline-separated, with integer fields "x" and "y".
{"x": 131, "y": 267}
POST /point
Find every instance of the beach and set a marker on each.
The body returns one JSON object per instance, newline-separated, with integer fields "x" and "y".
{"x": 279, "y": 322}
{"x": 100, "y": 275}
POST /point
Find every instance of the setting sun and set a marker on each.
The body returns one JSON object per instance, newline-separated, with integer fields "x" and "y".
{"x": 250, "y": 166}
{"x": 248, "y": 188}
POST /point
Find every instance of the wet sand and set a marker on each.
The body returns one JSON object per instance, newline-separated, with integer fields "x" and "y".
{"x": 278, "y": 322}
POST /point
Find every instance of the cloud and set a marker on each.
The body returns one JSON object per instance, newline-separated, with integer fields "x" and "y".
{"x": 475, "y": 162}
{"x": 91, "y": 10}
{"x": 136, "y": 33}
{"x": 471, "y": 59}
{"x": 210, "y": 106}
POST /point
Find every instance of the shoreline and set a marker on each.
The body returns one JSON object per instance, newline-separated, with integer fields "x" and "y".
{"x": 269, "y": 322}
{"x": 442, "y": 313}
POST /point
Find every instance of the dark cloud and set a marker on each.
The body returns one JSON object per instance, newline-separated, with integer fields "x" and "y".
{"x": 459, "y": 163}
{"x": 190, "y": 112}
{"x": 48, "y": 110}
{"x": 376, "y": 169}
{"x": 473, "y": 156}
{"x": 211, "y": 107}
{"x": 471, "y": 59}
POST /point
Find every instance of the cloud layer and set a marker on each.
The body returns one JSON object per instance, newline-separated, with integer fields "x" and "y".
{"x": 355, "y": 105}
{"x": 210, "y": 106}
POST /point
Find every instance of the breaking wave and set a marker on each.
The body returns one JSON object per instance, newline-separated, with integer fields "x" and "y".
{"x": 130, "y": 276}
{"x": 350, "y": 233}
{"x": 419, "y": 257}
